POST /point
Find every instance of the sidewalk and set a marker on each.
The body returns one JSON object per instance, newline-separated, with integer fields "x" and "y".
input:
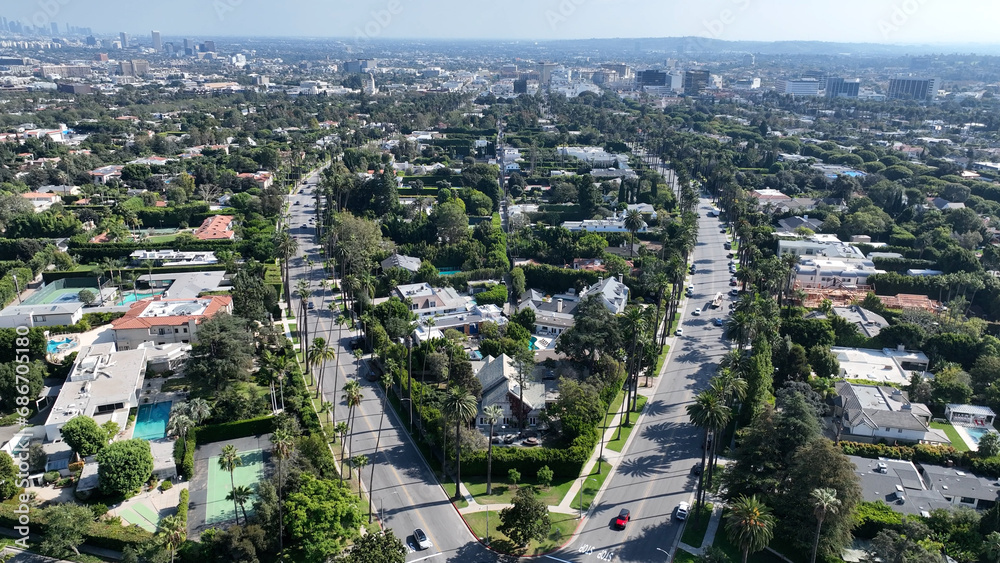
{"x": 713, "y": 528}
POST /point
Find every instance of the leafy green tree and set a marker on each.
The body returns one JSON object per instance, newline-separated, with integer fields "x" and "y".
{"x": 11, "y": 383}
{"x": 989, "y": 445}
{"x": 84, "y": 436}
{"x": 252, "y": 298}
{"x": 545, "y": 476}
{"x": 87, "y": 296}
{"x": 578, "y": 407}
{"x": 824, "y": 363}
{"x": 65, "y": 526}
{"x": 451, "y": 222}
{"x": 8, "y": 477}
{"x": 909, "y": 543}
{"x": 514, "y": 476}
{"x": 321, "y": 517}
{"x": 223, "y": 352}
{"x": 122, "y": 467}
{"x": 750, "y": 525}
{"x": 377, "y": 547}
{"x": 594, "y": 333}
{"x": 760, "y": 375}
{"x": 526, "y": 519}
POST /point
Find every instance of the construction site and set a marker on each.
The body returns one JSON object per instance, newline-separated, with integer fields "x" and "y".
{"x": 844, "y": 296}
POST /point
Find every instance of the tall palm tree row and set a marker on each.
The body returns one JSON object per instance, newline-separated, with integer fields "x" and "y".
{"x": 386, "y": 384}
{"x": 492, "y": 414}
{"x": 282, "y": 446}
{"x": 353, "y": 397}
{"x": 709, "y": 413}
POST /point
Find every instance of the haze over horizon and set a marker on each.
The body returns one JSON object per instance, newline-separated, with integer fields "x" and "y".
{"x": 925, "y": 22}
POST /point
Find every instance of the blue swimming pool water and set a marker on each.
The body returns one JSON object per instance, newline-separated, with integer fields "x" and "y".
{"x": 53, "y": 345}
{"x": 977, "y": 433}
{"x": 533, "y": 341}
{"x": 151, "y": 421}
{"x": 448, "y": 272}
{"x": 131, "y": 297}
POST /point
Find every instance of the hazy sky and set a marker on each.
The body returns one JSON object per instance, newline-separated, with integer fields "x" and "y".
{"x": 880, "y": 21}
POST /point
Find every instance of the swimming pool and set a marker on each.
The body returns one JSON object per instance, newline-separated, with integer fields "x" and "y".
{"x": 448, "y": 272}
{"x": 57, "y": 346}
{"x": 976, "y": 433}
{"x": 151, "y": 421}
{"x": 130, "y": 297}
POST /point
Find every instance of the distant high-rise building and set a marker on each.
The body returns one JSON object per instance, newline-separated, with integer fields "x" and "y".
{"x": 360, "y": 65}
{"x": 749, "y": 59}
{"x": 521, "y": 86}
{"x": 123, "y": 37}
{"x": 695, "y": 81}
{"x": 837, "y": 87}
{"x": 101, "y": 57}
{"x": 3, "y": 24}
{"x": 621, "y": 69}
{"x": 135, "y": 67}
{"x": 157, "y": 41}
{"x": 91, "y": 41}
{"x": 545, "y": 71}
{"x": 799, "y": 87}
{"x": 188, "y": 47}
{"x": 651, "y": 78}
{"x": 913, "y": 88}
{"x": 208, "y": 46}
{"x": 55, "y": 28}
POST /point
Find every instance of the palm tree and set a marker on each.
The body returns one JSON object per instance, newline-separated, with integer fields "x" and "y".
{"x": 825, "y": 502}
{"x": 240, "y": 495}
{"x": 178, "y": 425}
{"x": 635, "y": 327}
{"x": 386, "y": 384}
{"x": 327, "y": 407}
{"x": 633, "y": 222}
{"x": 991, "y": 546}
{"x": 199, "y": 410}
{"x": 282, "y": 446}
{"x": 229, "y": 460}
{"x": 303, "y": 292}
{"x": 359, "y": 462}
{"x": 322, "y": 353}
{"x": 173, "y": 532}
{"x": 341, "y": 429}
{"x": 460, "y": 405}
{"x": 286, "y": 246}
{"x": 709, "y": 413}
{"x": 750, "y": 525}
{"x": 353, "y": 396}
{"x": 492, "y": 414}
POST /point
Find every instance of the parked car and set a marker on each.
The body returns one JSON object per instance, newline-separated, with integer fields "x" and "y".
{"x": 423, "y": 542}
{"x": 734, "y": 291}
{"x": 697, "y": 311}
{"x": 622, "y": 520}
{"x": 718, "y": 322}
{"x": 679, "y": 332}
{"x": 681, "y": 512}
{"x": 696, "y": 469}
{"x": 311, "y": 305}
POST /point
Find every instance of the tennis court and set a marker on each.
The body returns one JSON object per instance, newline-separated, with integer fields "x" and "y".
{"x": 142, "y": 516}
{"x": 217, "y": 508}
{"x": 61, "y": 291}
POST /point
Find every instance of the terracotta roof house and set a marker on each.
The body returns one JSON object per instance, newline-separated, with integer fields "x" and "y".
{"x": 216, "y": 227}
{"x": 164, "y": 321}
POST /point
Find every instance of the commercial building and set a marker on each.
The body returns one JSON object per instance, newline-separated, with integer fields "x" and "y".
{"x": 67, "y": 71}
{"x": 651, "y": 78}
{"x": 103, "y": 384}
{"x": 837, "y": 87}
{"x": 157, "y": 40}
{"x": 874, "y": 411}
{"x": 913, "y": 88}
{"x": 163, "y": 321}
{"x": 695, "y": 81}
{"x": 799, "y": 87}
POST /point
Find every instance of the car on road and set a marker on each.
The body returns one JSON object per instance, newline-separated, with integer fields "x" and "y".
{"x": 423, "y": 542}
{"x": 727, "y": 245}
{"x": 723, "y": 231}
{"x": 717, "y": 321}
{"x": 734, "y": 291}
{"x": 733, "y": 282}
{"x": 730, "y": 255}
{"x": 311, "y": 305}
{"x": 696, "y": 469}
{"x": 697, "y": 312}
{"x": 622, "y": 520}
{"x": 679, "y": 332}
{"x": 681, "y": 512}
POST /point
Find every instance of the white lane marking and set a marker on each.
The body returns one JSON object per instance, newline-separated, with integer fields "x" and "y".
{"x": 429, "y": 556}
{"x": 557, "y": 559}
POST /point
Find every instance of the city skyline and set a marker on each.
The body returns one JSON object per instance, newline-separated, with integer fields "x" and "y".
{"x": 848, "y": 21}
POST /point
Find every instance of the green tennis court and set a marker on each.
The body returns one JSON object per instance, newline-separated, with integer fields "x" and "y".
{"x": 142, "y": 516}
{"x": 217, "y": 508}
{"x": 61, "y": 291}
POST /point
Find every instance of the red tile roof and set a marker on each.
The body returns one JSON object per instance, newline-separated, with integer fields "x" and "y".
{"x": 216, "y": 227}
{"x": 133, "y": 320}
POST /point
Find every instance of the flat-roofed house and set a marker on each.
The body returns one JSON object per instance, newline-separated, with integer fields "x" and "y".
{"x": 164, "y": 321}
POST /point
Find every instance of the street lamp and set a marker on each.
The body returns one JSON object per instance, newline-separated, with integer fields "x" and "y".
{"x": 664, "y": 552}
{"x": 16, "y": 288}
{"x": 581, "y": 494}
{"x": 487, "y": 525}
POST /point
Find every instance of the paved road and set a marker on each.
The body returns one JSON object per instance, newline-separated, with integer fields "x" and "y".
{"x": 654, "y": 473}
{"x": 405, "y": 491}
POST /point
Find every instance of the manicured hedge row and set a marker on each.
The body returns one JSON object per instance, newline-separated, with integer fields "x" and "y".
{"x": 53, "y": 275}
{"x": 233, "y": 430}
{"x": 564, "y": 462}
{"x": 182, "y": 505}
{"x": 100, "y": 534}
{"x": 557, "y": 280}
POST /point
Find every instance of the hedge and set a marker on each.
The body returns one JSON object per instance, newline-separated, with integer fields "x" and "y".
{"x": 553, "y": 280}
{"x": 873, "y": 517}
{"x": 233, "y": 430}
{"x": 184, "y": 455}
{"x": 53, "y": 275}
{"x": 95, "y": 252}
{"x": 182, "y": 505}
{"x": 564, "y": 462}
{"x": 101, "y": 534}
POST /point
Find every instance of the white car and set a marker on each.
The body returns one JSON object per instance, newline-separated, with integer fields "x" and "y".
{"x": 679, "y": 332}
{"x": 681, "y": 512}
{"x": 423, "y": 542}
{"x": 697, "y": 311}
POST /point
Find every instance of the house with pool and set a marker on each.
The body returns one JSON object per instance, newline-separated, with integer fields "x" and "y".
{"x": 103, "y": 384}
{"x": 165, "y": 321}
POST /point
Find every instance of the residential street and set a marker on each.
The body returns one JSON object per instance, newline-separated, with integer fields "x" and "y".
{"x": 655, "y": 471}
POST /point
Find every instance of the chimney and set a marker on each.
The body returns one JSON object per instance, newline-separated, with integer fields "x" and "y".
{"x": 559, "y": 305}
{"x": 621, "y": 278}
{"x": 900, "y": 348}
{"x": 805, "y": 217}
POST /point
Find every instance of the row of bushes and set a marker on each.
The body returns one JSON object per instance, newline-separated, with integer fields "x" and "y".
{"x": 53, "y": 275}
{"x": 901, "y": 265}
{"x": 100, "y": 534}
{"x": 8, "y": 291}
{"x": 926, "y": 453}
{"x": 564, "y": 462}
{"x": 233, "y": 430}
{"x": 553, "y": 280}
{"x": 182, "y": 505}
{"x": 89, "y": 321}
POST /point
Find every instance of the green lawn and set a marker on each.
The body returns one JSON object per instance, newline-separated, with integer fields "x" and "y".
{"x": 661, "y": 360}
{"x": 618, "y": 443}
{"x": 956, "y": 440}
{"x": 562, "y": 527}
{"x": 503, "y": 492}
{"x": 613, "y": 409}
{"x": 697, "y": 525}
